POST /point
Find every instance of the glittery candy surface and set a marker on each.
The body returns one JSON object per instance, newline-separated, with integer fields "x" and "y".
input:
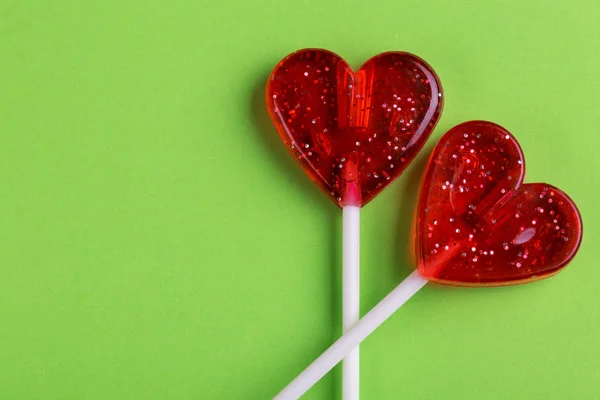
{"x": 353, "y": 133}
{"x": 478, "y": 224}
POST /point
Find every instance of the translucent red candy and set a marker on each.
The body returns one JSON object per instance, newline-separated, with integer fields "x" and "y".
{"x": 478, "y": 224}
{"x": 353, "y": 133}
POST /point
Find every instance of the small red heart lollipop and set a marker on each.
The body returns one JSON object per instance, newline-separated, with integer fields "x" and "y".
{"x": 353, "y": 133}
{"x": 478, "y": 224}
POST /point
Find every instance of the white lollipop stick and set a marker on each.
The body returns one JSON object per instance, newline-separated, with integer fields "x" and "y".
{"x": 351, "y": 297}
{"x": 349, "y": 340}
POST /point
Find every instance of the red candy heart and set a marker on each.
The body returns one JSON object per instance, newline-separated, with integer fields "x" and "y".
{"x": 478, "y": 224}
{"x": 353, "y": 133}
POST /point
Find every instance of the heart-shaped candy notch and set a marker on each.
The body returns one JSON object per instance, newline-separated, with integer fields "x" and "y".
{"x": 478, "y": 224}
{"x": 353, "y": 133}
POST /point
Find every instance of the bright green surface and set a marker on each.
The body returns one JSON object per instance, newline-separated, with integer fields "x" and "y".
{"x": 157, "y": 241}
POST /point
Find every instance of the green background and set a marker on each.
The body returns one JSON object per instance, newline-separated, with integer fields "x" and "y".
{"x": 157, "y": 241}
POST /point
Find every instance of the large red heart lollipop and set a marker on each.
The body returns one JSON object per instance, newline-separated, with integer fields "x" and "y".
{"x": 353, "y": 133}
{"x": 478, "y": 224}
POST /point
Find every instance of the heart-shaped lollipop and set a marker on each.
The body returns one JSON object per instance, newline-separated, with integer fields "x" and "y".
{"x": 478, "y": 224}
{"x": 353, "y": 133}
